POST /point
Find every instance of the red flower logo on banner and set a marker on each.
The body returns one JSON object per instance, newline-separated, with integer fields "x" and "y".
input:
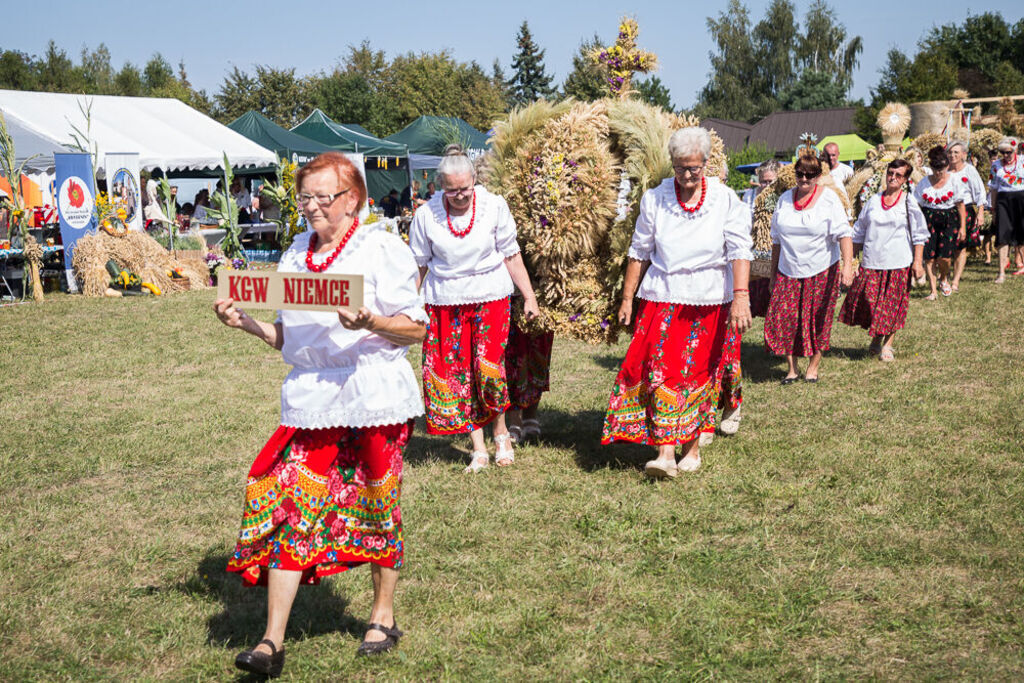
{"x": 75, "y": 194}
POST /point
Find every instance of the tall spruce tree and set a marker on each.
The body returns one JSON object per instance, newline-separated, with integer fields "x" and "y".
{"x": 529, "y": 81}
{"x": 586, "y": 82}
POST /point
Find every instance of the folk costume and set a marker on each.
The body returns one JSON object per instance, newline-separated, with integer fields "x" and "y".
{"x": 466, "y": 289}
{"x": 324, "y": 494}
{"x": 975, "y": 196}
{"x": 665, "y": 391}
{"x": 803, "y": 301}
{"x": 527, "y": 366}
{"x": 1008, "y": 182}
{"x": 880, "y": 294}
{"x": 938, "y": 204}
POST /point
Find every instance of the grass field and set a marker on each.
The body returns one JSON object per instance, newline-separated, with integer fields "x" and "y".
{"x": 869, "y": 526}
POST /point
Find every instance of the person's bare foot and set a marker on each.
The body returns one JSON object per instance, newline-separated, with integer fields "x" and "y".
{"x": 931, "y": 297}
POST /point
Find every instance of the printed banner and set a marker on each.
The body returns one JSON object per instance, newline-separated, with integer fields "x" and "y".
{"x": 123, "y": 186}
{"x": 290, "y": 291}
{"x": 75, "y": 203}
{"x": 359, "y": 161}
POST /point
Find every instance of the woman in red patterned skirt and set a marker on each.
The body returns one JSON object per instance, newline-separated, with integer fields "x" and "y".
{"x": 892, "y": 232}
{"x": 464, "y": 241}
{"x": 323, "y": 494}
{"x": 810, "y": 232}
{"x": 690, "y": 256}
{"x": 527, "y": 364}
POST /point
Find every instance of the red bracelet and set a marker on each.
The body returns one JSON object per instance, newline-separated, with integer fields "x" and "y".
{"x": 740, "y": 290}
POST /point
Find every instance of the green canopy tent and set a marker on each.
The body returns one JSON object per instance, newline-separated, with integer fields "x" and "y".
{"x": 431, "y": 134}
{"x": 387, "y": 163}
{"x": 852, "y": 147}
{"x": 286, "y": 144}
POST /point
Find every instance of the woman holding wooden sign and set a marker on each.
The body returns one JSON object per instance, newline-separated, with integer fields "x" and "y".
{"x": 323, "y": 494}
{"x": 464, "y": 241}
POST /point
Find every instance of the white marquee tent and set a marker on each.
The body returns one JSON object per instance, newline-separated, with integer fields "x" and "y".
{"x": 167, "y": 133}
{"x": 33, "y": 148}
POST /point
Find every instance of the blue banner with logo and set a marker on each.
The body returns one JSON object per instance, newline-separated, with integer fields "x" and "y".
{"x": 75, "y": 203}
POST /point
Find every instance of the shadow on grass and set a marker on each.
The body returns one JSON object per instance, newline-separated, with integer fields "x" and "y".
{"x": 425, "y": 448}
{"x": 580, "y": 432}
{"x": 240, "y": 624}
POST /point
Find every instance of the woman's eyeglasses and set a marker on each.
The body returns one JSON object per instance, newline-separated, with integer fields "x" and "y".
{"x": 804, "y": 175}
{"x": 321, "y": 199}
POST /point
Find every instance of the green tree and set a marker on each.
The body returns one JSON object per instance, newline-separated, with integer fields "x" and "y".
{"x": 529, "y": 81}
{"x": 128, "y": 81}
{"x": 500, "y": 81}
{"x": 18, "y": 71}
{"x": 585, "y": 82}
{"x": 347, "y": 97}
{"x": 56, "y": 72}
{"x": 731, "y": 91}
{"x": 97, "y": 70}
{"x": 275, "y": 93}
{"x": 813, "y": 90}
{"x": 158, "y": 74}
{"x": 823, "y": 46}
{"x": 653, "y": 91}
{"x": 773, "y": 40}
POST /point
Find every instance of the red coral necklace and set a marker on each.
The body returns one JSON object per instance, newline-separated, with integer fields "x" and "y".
{"x": 314, "y": 238}
{"x": 472, "y": 218}
{"x": 894, "y": 202}
{"x": 810, "y": 196}
{"x": 700, "y": 202}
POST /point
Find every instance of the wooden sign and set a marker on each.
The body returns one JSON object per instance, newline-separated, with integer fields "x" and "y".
{"x": 291, "y": 291}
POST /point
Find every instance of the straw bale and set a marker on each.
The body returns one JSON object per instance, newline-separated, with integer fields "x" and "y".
{"x": 138, "y": 253}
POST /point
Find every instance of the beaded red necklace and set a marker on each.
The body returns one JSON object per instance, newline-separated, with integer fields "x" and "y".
{"x": 700, "y": 202}
{"x": 810, "y": 197}
{"x": 894, "y": 202}
{"x": 314, "y": 238}
{"x": 472, "y": 219}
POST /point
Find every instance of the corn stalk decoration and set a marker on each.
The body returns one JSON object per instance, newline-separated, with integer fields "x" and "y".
{"x": 225, "y": 212}
{"x": 282, "y": 193}
{"x": 171, "y": 211}
{"x": 11, "y": 170}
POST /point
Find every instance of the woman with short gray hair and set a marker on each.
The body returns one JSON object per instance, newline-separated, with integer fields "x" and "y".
{"x": 464, "y": 241}
{"x": 1007, "y": 201}
{"x": 966, "y": 176}
{"x": 690, "y": 257}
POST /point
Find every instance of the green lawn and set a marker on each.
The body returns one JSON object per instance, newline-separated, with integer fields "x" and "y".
{"x": 869, "y": 526}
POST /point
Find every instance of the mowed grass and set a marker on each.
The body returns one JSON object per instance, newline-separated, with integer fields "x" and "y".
{"x": 869, "y": 526}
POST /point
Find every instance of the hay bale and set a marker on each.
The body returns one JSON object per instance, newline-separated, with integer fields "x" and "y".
{"x": 136, "y": 252}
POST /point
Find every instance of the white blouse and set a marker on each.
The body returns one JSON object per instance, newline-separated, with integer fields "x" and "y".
{"x": 809, "y": 239}
{"x": 470, "y": 269}
{"x": 1007, "y": 178}
{"x": 972, "y": 184}
{"x": 841, "y": 173}
{"x": 946, "y": 197}
{"x": 690, "y": 252}
{"x": 352, "y": 378}
{"x": 888, "y": 235}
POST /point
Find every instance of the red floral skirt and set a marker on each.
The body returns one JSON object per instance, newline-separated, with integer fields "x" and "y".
{"x": 321, "y": 501}
{"x": 878, "y": 301}
{"x": 464, "y": 383}
{"x": 665, "y": 390}
{"x": 799, "y": 319}
{"x": 527, "y": 365}
{"x": 728, "y": 378}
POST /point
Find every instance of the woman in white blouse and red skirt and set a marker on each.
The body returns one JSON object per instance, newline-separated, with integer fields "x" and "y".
{"x": 942, "y": 203}
{"x": 690, "y": 256}
{"x": 810, "y": 233}
{"x": 892, "y": 232}
{"x": 464, "y": 241}
{"x": 323, "y": 495}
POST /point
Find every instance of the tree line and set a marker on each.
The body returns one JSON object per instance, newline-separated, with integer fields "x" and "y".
{"x": 781, "y": 62}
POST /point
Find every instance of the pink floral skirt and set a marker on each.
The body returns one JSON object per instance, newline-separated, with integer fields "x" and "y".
{"x": 878, "y": 301}
{"x": 665, "y": 390}
{"x": 321, "y": 501}
{"x": 799, "y": 319}
{"x": 527, "y": 365}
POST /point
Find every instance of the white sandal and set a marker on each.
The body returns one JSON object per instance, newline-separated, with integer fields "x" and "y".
{"x": 503, "y": 453}
{"x": 688, "y": 464}
{"x": 531, "y": 430}
{"x": 705, "y": 439}
{"x": 478, "y": 460}
{"x": 515, "y": 432}
{"x": 731, "y": 422}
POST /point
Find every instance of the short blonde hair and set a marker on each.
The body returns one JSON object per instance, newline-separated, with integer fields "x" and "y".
{"x": 688, "y": 141}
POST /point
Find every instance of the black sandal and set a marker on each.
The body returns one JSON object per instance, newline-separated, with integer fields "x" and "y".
{"x": 261, "y": 663}
{"x": 378, "y": 646}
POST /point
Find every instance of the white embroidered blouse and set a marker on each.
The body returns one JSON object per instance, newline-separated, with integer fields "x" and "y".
{"x": 972, "y": 184}
{"x": 690, "y": 254}
{"x": 888, "y": 235}
{"x": 809, "y": 239}
{"x": 947, "y": 196}
{"x": 470, "y": 269}
{"x": 1007, "y": 178}
{"x": 352, "y": 378}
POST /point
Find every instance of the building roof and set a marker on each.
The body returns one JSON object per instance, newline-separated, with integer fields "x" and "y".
{"x": 781, "y": 130}
{"x": 733, "y": 133}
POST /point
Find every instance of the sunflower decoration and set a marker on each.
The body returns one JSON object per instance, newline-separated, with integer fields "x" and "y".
{"x": 112, "y": 218}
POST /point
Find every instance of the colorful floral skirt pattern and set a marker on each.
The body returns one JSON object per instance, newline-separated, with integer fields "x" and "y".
{"x": 943, "y": 225}
{"x": 464, "y": 381}
{"x": 527, "y": 365}
{"x": 878, "y": 301}
{"x": 973, "y": 240}
{"x": 799, "y": 319}
{"x": 321, "y": 501}
{"x": 728, "y": 377}
{"x": 665, "y": 390}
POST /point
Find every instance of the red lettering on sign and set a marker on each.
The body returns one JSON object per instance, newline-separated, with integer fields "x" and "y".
{"x": 289, "y": 291}
{"x": 307, "y": 292}
{"x": 259, "y": 287}
{"x": 246, "y": 289}
{"x": 321, "y": 293}
{"x": 233, "y": 287}
{"x": 343, "y": 286}
{"x": 333, "y": 293}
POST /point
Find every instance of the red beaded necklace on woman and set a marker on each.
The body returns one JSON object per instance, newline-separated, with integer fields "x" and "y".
{"x": 472, "y": 218}
{"x": 894, "y": 202}
{"x": 700, "y": 202}
{"x": 314, "y": 238}
{"x": 810, "y": 197}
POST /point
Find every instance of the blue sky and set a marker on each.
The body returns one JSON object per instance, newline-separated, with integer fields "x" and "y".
{"x": 213, "y": 36}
